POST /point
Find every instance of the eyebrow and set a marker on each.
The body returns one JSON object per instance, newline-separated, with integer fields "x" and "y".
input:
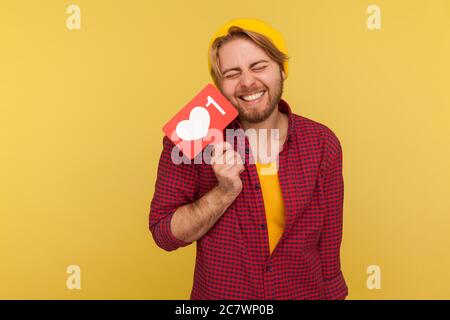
{"x": 238, "y": 69}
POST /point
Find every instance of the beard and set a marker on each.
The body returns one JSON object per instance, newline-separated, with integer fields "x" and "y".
{"x": 262, "y": 112}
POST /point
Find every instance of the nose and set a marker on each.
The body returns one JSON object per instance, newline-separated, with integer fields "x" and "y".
{"x": 247, "y": 80}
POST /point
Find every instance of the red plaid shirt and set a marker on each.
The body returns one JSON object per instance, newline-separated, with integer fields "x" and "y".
{"x": 233, "y": 259}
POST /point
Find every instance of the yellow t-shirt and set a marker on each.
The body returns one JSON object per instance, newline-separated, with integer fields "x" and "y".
{"x": 273, "y": 201}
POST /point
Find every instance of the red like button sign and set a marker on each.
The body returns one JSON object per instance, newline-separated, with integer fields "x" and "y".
{"x": 201, "y": 121}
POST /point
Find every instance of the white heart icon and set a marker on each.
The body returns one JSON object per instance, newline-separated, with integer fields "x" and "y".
{"x": 196, "y": 127}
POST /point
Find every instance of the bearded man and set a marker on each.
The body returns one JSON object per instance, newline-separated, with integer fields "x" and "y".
{"x": 266, "y": 227}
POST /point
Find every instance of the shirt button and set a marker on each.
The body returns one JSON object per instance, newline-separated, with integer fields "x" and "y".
{"x": 257, "y": 187}
{"x": 268, "y": 268}
{"x": 263, "y": 225}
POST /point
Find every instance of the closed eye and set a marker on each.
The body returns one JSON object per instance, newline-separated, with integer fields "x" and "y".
{"x": 231, "y": 76}
{"x": 259, "y": 68}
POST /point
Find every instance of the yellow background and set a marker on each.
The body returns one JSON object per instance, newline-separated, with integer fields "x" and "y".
{"x": 82, "y": 112}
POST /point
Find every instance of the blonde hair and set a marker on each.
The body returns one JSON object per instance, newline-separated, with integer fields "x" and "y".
{"x": 237, "y": 32}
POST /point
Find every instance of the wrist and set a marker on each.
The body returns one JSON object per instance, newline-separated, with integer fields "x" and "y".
{"x": 226, "y": 196}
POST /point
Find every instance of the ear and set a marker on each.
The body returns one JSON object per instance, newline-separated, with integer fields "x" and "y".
{"x": 283, "y": 75}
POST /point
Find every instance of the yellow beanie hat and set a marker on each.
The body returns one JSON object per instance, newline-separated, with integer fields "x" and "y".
{"x": 256, "y": 26}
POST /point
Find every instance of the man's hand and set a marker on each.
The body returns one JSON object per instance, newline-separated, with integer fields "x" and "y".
{"x": 227, "y": 165}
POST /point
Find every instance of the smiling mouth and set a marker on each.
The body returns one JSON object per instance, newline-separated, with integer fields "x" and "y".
{"x": 253, "y": 97}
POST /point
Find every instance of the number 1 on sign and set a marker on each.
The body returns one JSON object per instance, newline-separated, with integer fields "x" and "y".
{"x": 211, "y": 101}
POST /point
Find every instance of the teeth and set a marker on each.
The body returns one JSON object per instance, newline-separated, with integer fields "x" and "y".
{"x": 253, "y": 96}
